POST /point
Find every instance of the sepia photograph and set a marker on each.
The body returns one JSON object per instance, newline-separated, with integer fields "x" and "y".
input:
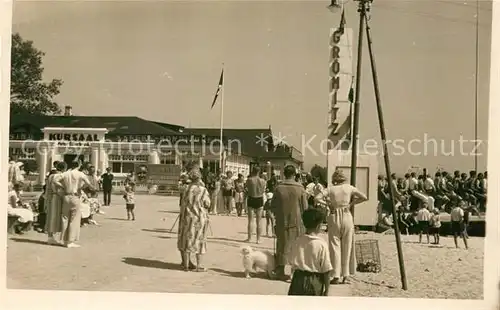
{"x": 333, "y": 148}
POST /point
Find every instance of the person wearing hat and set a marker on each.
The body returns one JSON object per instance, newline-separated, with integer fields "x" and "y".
{"x": 340, "y": 196}
{"x": 193, "y": 222}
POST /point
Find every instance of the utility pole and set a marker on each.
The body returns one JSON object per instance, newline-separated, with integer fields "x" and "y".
{"x": 385, "y": 149}
{"x": 362, "y": 8}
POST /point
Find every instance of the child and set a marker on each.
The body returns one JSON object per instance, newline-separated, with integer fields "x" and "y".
{"x": 310, "y": 259}
{"x": 458, "y": 224}
{"x": 130, "y": 201}
{"x": 269, "y": 215}
{"x": 423, "y": 218}
{"x": 435, "y": 225}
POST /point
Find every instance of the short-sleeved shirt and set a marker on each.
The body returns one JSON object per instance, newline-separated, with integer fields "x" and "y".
{"x": 436, "y": 221}
{"x": 423, "y": 215}
{"x": 457, "y": 214}
{"x": 310, "y": 253}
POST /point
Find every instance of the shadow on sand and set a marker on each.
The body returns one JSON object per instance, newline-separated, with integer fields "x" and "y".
{"x": 117, "y": 219}
{"x": 164, "y": 237}
{"x": 142, "y": 262}
{"x": 161, "y": 230}
{"x": 21, "y": 240}
{"x": 375, "y": 283}
{"x": 239, "y": 274}
{"x": 169, "y": 211}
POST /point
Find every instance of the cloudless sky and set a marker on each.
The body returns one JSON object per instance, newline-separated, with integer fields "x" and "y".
{"x": 161, "y": 60}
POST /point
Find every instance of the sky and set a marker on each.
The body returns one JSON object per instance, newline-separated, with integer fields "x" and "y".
{"x": 161, "y": 60}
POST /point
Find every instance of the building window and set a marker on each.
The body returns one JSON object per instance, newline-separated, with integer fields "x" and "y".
{"x": 20, "y": 154}
{"x": 116, "y": 167}
{"x": 142, "y": 158}
{"x": 125, "y": 163}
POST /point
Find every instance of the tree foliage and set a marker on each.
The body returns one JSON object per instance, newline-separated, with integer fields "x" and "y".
{"x": 320, "y": 172}
{"x": 28, "y": 91}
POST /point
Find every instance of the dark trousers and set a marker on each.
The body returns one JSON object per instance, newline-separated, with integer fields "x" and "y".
{"x": 107, "y": 196}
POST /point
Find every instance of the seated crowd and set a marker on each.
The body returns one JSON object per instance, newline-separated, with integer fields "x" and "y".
{"x": 45, "y": 213}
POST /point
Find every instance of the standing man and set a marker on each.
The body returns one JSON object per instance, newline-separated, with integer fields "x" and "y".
{"x": 256, "y": 188}
{"x": 289, "y": 201}
{"x": 72, "y": 182}
{"x": 107, "y": 186}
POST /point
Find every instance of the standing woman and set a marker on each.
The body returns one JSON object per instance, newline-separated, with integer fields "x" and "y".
{"x": 193, "y": 221}
{"x": 54, "y": 197}
{"x": 340, "y": 196}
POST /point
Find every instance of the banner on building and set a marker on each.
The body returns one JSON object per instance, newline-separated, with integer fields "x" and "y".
{"x": 165, "y": 177}
{"x": 341, "y": 75}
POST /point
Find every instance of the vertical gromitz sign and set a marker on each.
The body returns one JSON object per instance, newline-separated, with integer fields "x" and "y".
{"x": 340, "y": 72}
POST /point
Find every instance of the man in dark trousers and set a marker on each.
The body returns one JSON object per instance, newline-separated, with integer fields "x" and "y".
{"x": 107, "y": 186}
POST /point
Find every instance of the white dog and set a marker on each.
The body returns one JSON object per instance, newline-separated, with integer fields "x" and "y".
{"x": 257, "y": 260}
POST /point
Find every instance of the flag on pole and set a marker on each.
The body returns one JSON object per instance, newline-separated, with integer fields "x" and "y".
{"x": 219, "y": 88}
{"x": 350, "y": 97}
{"x": 342, "y": 22}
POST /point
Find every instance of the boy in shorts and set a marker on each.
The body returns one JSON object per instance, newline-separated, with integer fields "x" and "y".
{"x": 458, "y": 223}
{"x": 310, "y": 259}
{"x": 435, "y": 225}
{"x": 423, "y": 218}
{"x": 130, "y": 201}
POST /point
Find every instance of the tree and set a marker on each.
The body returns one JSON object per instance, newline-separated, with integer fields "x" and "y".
{"x": 28, "y": 92}
{"x": 321, "y": 173}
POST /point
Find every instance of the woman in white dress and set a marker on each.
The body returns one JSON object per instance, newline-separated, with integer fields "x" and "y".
{"x": 339, "y": 197}
{"x": 15, "y": 207}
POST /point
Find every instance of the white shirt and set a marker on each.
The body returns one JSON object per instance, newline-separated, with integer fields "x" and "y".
{"x": 423, "y": 215}
{"x": 428, "y": 184}
{"x": 310, "y": 253}
{"x": 457, "y": 214}
{"x": 430, "y": 203}
{"x": 413, "y": 183}
{"x": 340, "y": 196}
{"x": 72, "y": 181}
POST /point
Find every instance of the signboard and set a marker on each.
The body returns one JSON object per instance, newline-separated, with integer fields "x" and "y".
{"x": 159, "y": 174}
{"x": 184, "y": 139}
{"x": 341, "y": 74}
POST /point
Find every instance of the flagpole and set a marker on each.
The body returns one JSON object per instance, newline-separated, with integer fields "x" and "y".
{"x": 222, "y": 124}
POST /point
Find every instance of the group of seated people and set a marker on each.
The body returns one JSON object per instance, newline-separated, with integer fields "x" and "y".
{"x": 26, "y": 214}
{"x": 21, "y": 214}
{"x": 438, "y": 192}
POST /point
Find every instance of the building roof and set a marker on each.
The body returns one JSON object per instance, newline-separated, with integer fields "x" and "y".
{"x": 252, "y": 142}
{"x": 257, "y": 143}
{"x": 117, "y": 125}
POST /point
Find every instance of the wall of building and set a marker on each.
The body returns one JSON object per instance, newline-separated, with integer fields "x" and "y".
{"x": 238, "y": 164}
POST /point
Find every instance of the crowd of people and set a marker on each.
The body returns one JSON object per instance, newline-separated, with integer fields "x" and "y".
{"x": 442, "y": 192}
{"x": 421, "y": 200}
{"x": 295, "y": 217}
{"x": 68, "y": 202}
{"x": 294, "y": 212}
